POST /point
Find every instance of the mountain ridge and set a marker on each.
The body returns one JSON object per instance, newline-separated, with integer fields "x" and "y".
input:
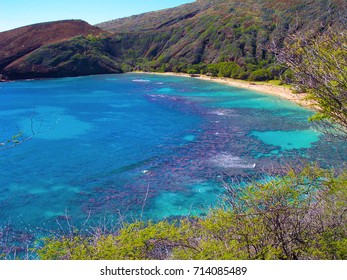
{"x": 18, "y": 42}
{"x": 219, "y": 37}
{"x": 153, "y": 22}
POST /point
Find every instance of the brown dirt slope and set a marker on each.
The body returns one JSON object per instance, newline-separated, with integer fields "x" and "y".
{"x": 18, "y": 42}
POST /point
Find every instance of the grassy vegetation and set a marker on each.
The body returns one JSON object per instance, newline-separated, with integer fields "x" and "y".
{"x": 82, "y": 55}
{"x": 222, "y": 38}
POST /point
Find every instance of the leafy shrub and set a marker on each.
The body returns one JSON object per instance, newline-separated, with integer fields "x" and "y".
{"x": 299, "y": 216}
{"x": 260, "y": 75}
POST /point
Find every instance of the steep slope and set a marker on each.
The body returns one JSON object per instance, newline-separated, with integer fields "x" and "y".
{"x": 155, "y": 20}
{"x": 228, "y": 38}
{"x": 306, "y": 11}
{"x": 21, "y": 41}
{"x": 238, "y": 32}
{"x": 54, "y": 49}
{"x": 79, "y": 56}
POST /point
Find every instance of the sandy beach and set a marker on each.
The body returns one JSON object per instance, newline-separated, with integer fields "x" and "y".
{"x": 267, "y": 88}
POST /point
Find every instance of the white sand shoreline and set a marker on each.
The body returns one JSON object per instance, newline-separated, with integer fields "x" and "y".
{"x": 280, "y": 91}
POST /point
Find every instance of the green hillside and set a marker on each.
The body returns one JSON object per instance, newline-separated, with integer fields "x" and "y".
{"x": 225, "y": 38}
{"x": 210, "y": 32}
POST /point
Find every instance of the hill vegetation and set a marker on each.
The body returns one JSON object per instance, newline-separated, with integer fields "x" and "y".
{"x": 300, "y": 215}
{"x": 17, "y": 45}
{"x": 79, "y": 56}
{"x": 219, "y": 38}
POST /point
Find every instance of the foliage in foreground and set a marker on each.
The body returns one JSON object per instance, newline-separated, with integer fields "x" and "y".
{"x": 319, "y": 65}
{"x": 302, "y": 215}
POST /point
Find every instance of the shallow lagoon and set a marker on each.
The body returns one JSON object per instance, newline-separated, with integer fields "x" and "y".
{"x": 138, "y": 145}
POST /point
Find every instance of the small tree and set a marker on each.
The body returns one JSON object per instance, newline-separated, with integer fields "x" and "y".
{"x": 319, "y": 64}
{"x": 302, "y": 215}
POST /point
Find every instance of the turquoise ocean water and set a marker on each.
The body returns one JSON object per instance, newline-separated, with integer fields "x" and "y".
{"x": 138, "y": 145}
